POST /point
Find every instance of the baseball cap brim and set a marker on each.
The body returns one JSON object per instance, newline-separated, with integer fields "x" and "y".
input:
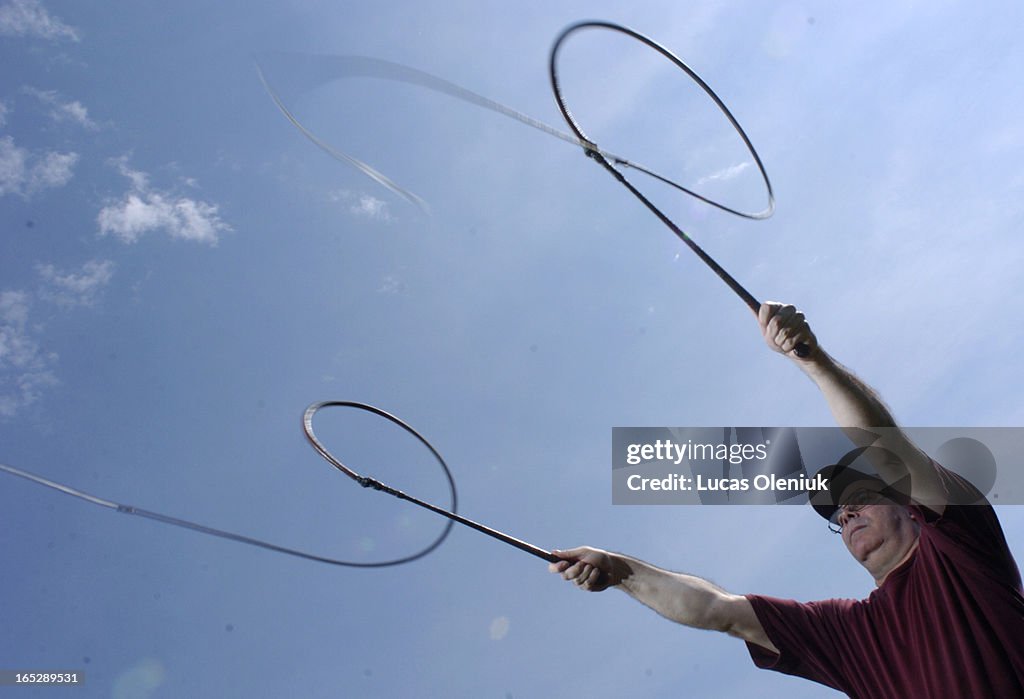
{"x": 844, "y": 480}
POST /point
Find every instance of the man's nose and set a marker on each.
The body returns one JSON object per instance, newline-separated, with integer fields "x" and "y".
{"x": 845, "y": 515}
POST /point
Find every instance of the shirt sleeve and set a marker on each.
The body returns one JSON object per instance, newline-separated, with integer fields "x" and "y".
{"x": 808, "y": 636}
{"x": 969, "y": 523}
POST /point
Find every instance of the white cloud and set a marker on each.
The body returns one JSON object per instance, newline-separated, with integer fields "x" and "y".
{"x": 13, "y": 311}
{"x": 371, "y": 207}
{"x": 724, "y": 174}
{"x": 139, "y": 179}
{"x": 25, "y": 369}
{"x": 363, "y": 205}
{"x": 25, "y": 173}
{"x": 391, "y": 284}
{"x": 68, "y": 290}
{"x": 52, "y": 170}
{"x": 184, "y": 218}
{"x": 30, "y": 18}
{"x": 139, "y": 681}
{"x": 499, "y": 628}
{"x": 12, "y": 166}
{"x": 61, "y": 110}
{"x": 3, "y": 114}
{"x": 143, "y": 209}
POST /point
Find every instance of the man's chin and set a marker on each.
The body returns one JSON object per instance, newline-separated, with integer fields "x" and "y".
{"x": 861, "y": 548}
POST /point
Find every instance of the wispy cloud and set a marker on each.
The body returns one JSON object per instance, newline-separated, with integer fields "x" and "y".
{"x": 3, "y": 114}
{"x": 363, "y": 205}
{"x": 143, "y": 209}
{"x": 75, "y": 289}
{"x": 391, "y": 284}
{"x": 30, "y": 18}
{"x": 25, "y": 369}
{"x": 25, "y": 173}
{"x": 51, "y": 170}
{"x": 725, "y": 174}
{"x": 61, "y": 110}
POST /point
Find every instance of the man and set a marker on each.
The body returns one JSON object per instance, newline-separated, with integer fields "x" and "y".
{"x": 947, "y": 616}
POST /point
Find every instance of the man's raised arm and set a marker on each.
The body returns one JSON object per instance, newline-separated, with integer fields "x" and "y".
{"x": 854, "y": 405}
{"x": 684, "y": 599}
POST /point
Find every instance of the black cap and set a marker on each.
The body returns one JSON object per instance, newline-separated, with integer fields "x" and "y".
{"x": 844, "y": 480}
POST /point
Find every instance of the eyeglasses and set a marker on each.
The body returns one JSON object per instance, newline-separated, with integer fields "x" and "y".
{"x": 855, "y": 503}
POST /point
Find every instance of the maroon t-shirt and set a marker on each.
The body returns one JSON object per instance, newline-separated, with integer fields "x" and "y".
{"x": 948, "y": 622}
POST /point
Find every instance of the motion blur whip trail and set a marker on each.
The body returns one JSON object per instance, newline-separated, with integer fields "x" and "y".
{"x": 366, "y": 169}
{"x": 366, "y": 482}
{"x": 350, "y": 66}
{"x": 203, "y": 529}
{"x": 338, "y": 67}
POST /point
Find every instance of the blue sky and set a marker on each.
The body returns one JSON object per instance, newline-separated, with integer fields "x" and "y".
{"x": 182, "y": 273}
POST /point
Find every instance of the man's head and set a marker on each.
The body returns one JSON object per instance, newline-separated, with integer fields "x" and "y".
{"x": 877, "y": 531}
{"x": 877, "y": 527}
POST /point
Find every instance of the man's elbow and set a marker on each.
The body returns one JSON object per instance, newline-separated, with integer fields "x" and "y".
{"x": 734, "y": 615}
{"x": 723, "y": 613}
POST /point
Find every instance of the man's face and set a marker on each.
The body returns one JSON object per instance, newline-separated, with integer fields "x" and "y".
{"x": 873, "y": 526}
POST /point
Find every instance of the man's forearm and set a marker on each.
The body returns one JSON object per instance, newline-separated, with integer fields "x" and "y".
{"x": 684, "y": 599}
